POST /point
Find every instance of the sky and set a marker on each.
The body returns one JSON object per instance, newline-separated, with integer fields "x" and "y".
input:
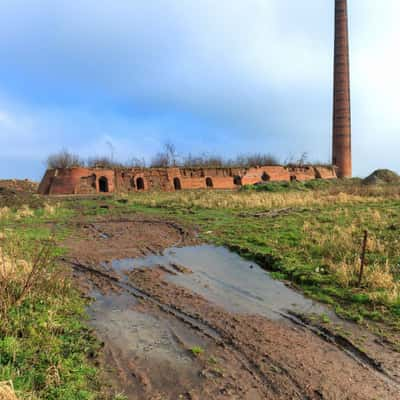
{"x": 219, "y": 77}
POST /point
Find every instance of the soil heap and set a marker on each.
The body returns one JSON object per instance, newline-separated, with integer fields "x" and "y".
{"x": 382, "y": 177}
{"x": 15, "y": 193}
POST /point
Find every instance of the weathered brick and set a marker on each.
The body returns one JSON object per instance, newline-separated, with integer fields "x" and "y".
{"x": 98, "y": 180}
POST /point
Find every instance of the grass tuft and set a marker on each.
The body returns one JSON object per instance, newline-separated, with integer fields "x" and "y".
{"x": 197, "y": 351}
{"x": 44, "y": 343}
{"x": 7, "y": 391}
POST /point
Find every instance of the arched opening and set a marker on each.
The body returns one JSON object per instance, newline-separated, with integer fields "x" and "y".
{"x": 177, "y": 184}
{"x": 265, "y": 177}
{"x": 209, "y": 183}
{"x": 140, "y": 184}
{"x": 317, "y": 174}
{"x": 237, "y": 180}
{"x": 293, "y": 178}
{"x": 103, "y": 184}
{"x": 93, "y": 179}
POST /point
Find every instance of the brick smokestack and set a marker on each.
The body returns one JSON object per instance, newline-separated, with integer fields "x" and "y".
{"x": 341, "y": 151}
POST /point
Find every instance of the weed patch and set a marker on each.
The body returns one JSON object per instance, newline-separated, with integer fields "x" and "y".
{"x": 44, "y": 343}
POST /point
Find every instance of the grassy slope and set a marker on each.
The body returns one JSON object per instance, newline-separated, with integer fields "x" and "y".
{"x": 44, "y": 343}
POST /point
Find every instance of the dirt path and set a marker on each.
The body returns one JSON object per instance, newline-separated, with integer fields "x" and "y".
{"x": 165, "y": 341}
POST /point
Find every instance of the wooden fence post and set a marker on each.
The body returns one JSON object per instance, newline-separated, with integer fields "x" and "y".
{"x": 364, "y": 250}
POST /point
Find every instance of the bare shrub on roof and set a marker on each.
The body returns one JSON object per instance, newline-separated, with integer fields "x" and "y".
{"x": 299, "y": 162}
{"x": 168, "y": 157}
{"x": 244, "y": 160}
{"x": 160, "y": 160}
{"x": 255, "y": 160}
{"x": 135, "y": 162}
{"x": 64, "y": 159}
{"x": 203, "y": 160}
{"x": 103, "y": 162}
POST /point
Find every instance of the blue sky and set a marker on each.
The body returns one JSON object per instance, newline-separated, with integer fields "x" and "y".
{"x": 226, "y": 77}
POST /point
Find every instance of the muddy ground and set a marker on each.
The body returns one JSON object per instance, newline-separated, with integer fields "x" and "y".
{"x": 165, "y": 341}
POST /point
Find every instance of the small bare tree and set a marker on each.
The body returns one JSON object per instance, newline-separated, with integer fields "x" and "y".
{"x": 204, "y": 160}
{"x": 136, "y": 163}
{"x": 103, "y": 162}
{"x": 303, "y": 160}
{"x": 160, "y": 160}
{"x": 166, "y": 158}
{"x": 171, "y": 154}
{"x": 255, "y": 160}
{"x": 300, "y": 162}
{"x": 64, "y": 159}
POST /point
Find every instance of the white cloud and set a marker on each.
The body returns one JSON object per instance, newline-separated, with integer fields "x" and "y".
{"x": 257, "y": 74}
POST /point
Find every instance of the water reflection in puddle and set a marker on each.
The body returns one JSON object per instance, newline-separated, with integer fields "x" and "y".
{"x": 136, "y": 333}
{"x": 226, "y": 279}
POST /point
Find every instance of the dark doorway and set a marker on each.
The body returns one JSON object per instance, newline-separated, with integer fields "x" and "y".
{"x": 209, "y": 183}
{"x": 265, "y": 177}
{"x": 237, "y": 180}
{"x": 177, "y": 184}
{"x": 140, "y": 184}
{"x": 93, "y": 179}
{"x": 103, "y": 185}
{"x": 293, "y": 178}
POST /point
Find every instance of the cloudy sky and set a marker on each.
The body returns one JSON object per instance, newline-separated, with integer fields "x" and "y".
{"x": 225, "y": 77}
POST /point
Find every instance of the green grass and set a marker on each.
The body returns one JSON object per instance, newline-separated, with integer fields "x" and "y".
{"x": 315, "y": 244}
{"x": 300, "y": 246}
{"x": 45, "y": 345}
{"x": 197, "y": 351}
{"x": 44, "y": 349}
{"x": 312, "y": 185}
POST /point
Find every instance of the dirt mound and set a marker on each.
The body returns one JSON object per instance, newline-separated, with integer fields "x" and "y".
{"x": 381, "y": 177}
{"x": 15, "y": 193}
{"x": 19, "y": 185}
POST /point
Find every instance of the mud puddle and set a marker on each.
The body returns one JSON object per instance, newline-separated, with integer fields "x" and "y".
{"x": 151, "y": 344}
{"x": 149, "y": 352}
{"x": 226, "y": 279}
{"x": 142, "y": 334}
{"x": 242, "y": 287}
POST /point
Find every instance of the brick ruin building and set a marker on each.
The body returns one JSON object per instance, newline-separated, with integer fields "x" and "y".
{"x": 102, "y": 180}
{"x": 123, "y": 180}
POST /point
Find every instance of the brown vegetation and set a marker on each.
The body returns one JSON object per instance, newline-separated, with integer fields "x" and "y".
{"x": 250, "y": 200}
{"x": 64, "y": 159}
{"x": 169, "y": 157}
{"x": 21, "y": 277}
{"x": 7, "y": 391}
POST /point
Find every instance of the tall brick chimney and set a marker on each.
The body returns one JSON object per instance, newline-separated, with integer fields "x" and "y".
{"x": 341, "y": 150}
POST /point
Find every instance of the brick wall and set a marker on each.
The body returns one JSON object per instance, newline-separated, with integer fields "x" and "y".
{"x": 302, "y": 173}
{"x": 95, "y": 180}
{"x": 325, "y": 172}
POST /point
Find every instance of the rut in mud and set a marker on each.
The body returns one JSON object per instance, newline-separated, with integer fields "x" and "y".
{"x": 180, "y": 324}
